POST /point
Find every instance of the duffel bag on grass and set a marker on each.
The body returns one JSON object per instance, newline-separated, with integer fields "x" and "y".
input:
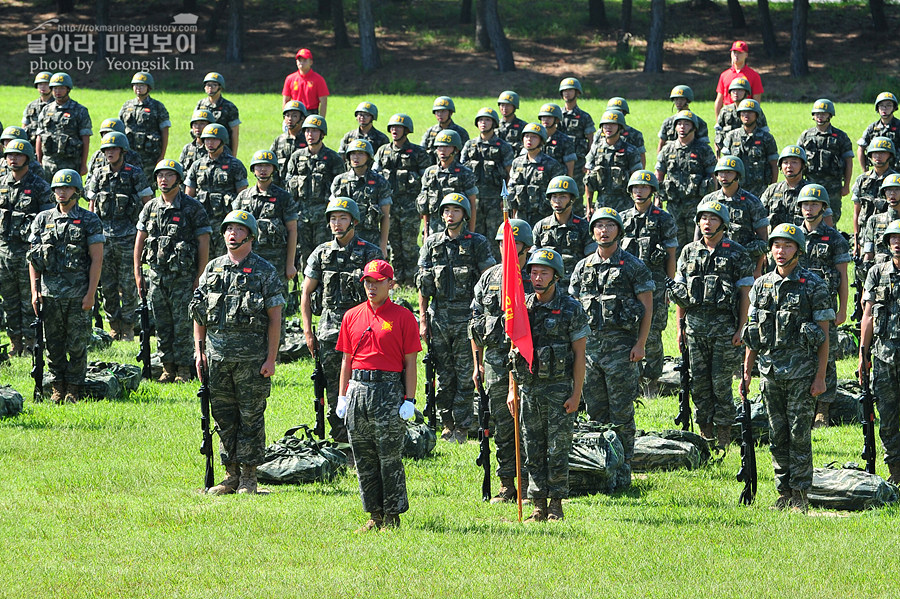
{"x": 669, "y": 450}
{"x": 296, "y": 460}
{"x": 596, "y": 462}
{"x": 11, "y": 402}
{"x": 849, "y": 489}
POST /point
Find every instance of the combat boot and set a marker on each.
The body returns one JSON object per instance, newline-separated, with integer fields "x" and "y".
{"x": 376, "y": 522}
{"x": 723, "y": 436}
{"x": 16, "y": 346}
{"x": 447, "y": 434}
{"x": 229, "y": 484}
{"x": 461, "y": 436}
{"x": 799, "y": 501}
{"x": 391, "y": 521}
{"x": 555, "y": 511}
{"x": 73, "y": 393}
{"x": 821, "y": 420}
{"x": 58, "y": 392}
{"x": 894, "y": 469}
{"x": 114, "y": 330}
{"x": 507, "y": 491}
{"x": 247, "y": 485}
{"x": 126, "y": 333}
{"x": 540, "y": 510}
{"x": 168, "y": 373}
{"x": 706, "y": 431}
{"x": 784, "y": 499}
{"x": 183, "y": 374}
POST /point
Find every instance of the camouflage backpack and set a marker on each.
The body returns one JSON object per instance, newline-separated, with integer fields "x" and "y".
{"x": 849, "y": 489}
{"x": 847, "y": 343}
{"x": 596, "y": 460}
{"x": 296, "y": 460}
{"x": 100, "y": 339}
{"x": 420, "y": 439}
{"x": 11, "y": 402}
{"x": 846, "y": 407}
{"x": 759, "y": 421}
{"x": 669, "y": 450}
{"x": 106, "y": 380}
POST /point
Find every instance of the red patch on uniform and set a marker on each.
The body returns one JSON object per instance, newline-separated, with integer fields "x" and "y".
{"x": 247, "y": 269}
{"x": 622, "y": 151}
{"x": 834, "y": 135}
{"x": 576, "y": 220}
{"x": 177, "y": 219}
{"x": 371, "y": 181}
{"x": 826, "y": 238}
{"x": 693, "y": 155}
{"x": 409, "y": 151}
{"x": 127, "y": 168}
{"x": 726, "y": 245}
{"x": 468, "y": 236}
{"x": 272, "y": 200}
{"x": 497, "y": 144}
{"x": 146, "y": 110}
{"x": 577, "y": 116}
{"x": 224, "y": 167}
{"x": 757, "y": 142}
{"x": 456, "y": 170}
{"x": 802, "y": 280}
{"x": 555, "y": 311}
{"x": 516, "y": 126}
{"x": 654, "y": 211}
{"x": 553, "y": 142}
{"x": 621, "y": 262}
{"x": 26, "y": 191}
{"x": 540, "y": 168}
{"x": 360, "y": 242}
{"x": 77, "y": 221}
{"x": 66, "y": 114}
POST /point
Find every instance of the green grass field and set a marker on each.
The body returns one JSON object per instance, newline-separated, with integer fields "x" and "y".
{"x": 99, "y": 499}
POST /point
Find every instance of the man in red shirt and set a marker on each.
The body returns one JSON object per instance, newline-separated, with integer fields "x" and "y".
{"x": 306, "y": 85}
{"x": 380, "y": 343}
{"x": 738, "y": 68}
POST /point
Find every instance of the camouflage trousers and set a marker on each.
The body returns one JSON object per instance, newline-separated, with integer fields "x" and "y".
{"x": 15, "y": 291}
{"x": 713, "y": 362}
{"x": 886, "y": 387}
{"x": 169, "y": 301}
{"x": 331, "y": 363}
{"x": 404, "y": 240}
{"x": 831, "y": 368}
{"x": 455, "y": 390}
{"x": 618, "y": 201}
{"x": 312, "y": 231}
{"x": 57, "y": 162}
{"x": 611, "y": 384}
{"x": 67, "y": 331}
{"x": 377, "y": 434}
{"x": 489, "y": 217}
{"x": 652, "y": 364}
{"x": 117, "y": 287}
{"x": 238, "y": 394}
{"x": 791, "y": 409}
{"x": 547, "y": 437}
{"x": 496, "y": 385}
{"x": 684, "y": 212}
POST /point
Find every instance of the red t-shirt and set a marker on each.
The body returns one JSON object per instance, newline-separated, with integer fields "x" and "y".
{"x": 305, "y": 88}
{"x": 730, "y": 74}
{"x": 379, "y": 340}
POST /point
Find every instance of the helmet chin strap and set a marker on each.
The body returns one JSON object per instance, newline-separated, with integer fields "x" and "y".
{"x": 561, "y": 209}
{"x": 545, "y": 287}
{"x": 345, "y": 233}
{"x": 455, "y": 225}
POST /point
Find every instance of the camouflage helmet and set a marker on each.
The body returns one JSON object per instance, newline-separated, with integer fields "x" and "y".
{"x": 536, "y": 129}
{"x": 730, "y": 163}
{"x": 749, "y": 105}
{"x": 448, "y": 137}
{"x": 215, "y": 131}
{"x": 20, "y": 146}
{"x": 713, "y": 207}
{"x": 294, "y": 105}
{"x": 143, "y": 77}
{"x": 402, "y": 120}
{"x": 61, "y": 79}
{"x": 508, "y": 97}
{"x": 241, "y": 217}
{"x": 643, "y": 177}
{"x": 490, "y": 113}
{"x": 823, "y": 105}
{"x": 42, "y": 77}
{"x": 570, "y": 83}
{"x": 13, "y": 132}
{"x": 114, "y": 139}
{"x": 885, "y": 96}
{"x": 792, "y": 152}
{"x": 456, "y": 199}
{"x": 881, "y": 144}
{"x": 612, "y": 116}
{"x": 67, "y": 178}
{"x": 342, "y": 204}
{"x": 113, "y": 124}
{"x": 740, "y": 83}
{"x": 315, "y": 121}
{"x": 547, "y": 257}
{"x": 813, "y": 192}
{"x": 170, "y": 165}
{"x": 791, "y": 232}
{"x": 263, "y": 157}
{"x": 443, "y": 103}
{"x": 609, "y": 214}
{"x": 367, "y": 108}
{"x": 685, "y": 115}
{"x": 213, "y": 77}
{"x": 617, "y": 103}
{"x": 360, "y": 145}
{"x": 202, "y": 114}
{"x": 682, "y": 91}
{"x": 892, "y": 180}
{"x": 562, "y": 184}
{"x": 893, "y": 228}
{"x": 551, "y": 109}
{"x": 521, "y": 232}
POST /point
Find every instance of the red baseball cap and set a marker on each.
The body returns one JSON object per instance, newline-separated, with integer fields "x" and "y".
{"x": 740, "y": 46}
{"x": 304, "y": 53}
{"x": 378, "y": 270}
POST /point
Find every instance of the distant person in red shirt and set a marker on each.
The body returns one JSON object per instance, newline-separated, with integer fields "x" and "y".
{"x": 739, "y": 68}
{"x": 306, "y": 85}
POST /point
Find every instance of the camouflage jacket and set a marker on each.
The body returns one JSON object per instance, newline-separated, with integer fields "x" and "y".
{"x": 826, "y": 153}
{"x": 648, "y": 236}
{"x": 728, "y": 120}
{"x": 632, "y": 137}
{"x": 687, "y": 170}
{"x": 60, "y": 250}
{"x": 609, "y": 167}
{"x": 875, "y": 227}
{"x": 172, "y": 231}
{"x": 746, "y": 214}
{"x": 825, "y": 249}
{"x": 511, "y": 133}
{"x": 667, "y": 130}
{"x": 98, "y": 161}
{"x": 309, "y": 177}
{"x": 190, "y": 153}
{"x": 34, "y": 167}
{"x": 374, "y": 137}
{"x": 528, "y": 181}
{"x": 118, "y": 198}
{"x": 780, "y": 201}
{"x": 488, "y": 160}
{"x": 273, "y": 209}
{"x": 487, "y": 326}
{"x": 31, "y": 118}
{"x": 449, "y": 268}
{"x": 370, "y": 192}
{"x": 866, "y": 192}
{"x": 579, "y": 126}
{"x": 437, "y": 182}
{"x": 144, "y": 122}
{"x": 402, "y": 168}
{"x": 284, "y": 147}
{"x": 216, "y": 181}
{"x": 224, "y": 112}
{"x": 878, "y": 129}
{"x": 20, "y": 202}
{"x": 571, "y": 239}
{"x": 61, "y": 129}
{"x": 431, "y": 133}
{"x": 560, "y": 148}
{"x": 756, "y": 150}
{"x": 882, "y": 289}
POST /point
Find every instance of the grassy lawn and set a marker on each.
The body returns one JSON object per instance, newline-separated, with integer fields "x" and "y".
{"x": 99, "y": 499}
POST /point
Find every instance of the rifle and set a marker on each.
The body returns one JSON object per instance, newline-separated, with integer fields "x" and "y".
{"x": 98, "y": 318}
{"x": 319, "y": 384}
{"x": 430, "y": 378}
{"x": 206, "y": 446}
{"x": 857, "y": 289}
{"x": 37, "y": 355}
{"x": 484, "y": 439}
{"x": 747, "y": 473}
{"x": 868, "y": 405}
{"x": 144, "y": 353}
{"x": 684, "y": 394}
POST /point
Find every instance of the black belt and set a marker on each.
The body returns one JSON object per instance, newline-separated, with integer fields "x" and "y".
{"x": 374, "y": 376}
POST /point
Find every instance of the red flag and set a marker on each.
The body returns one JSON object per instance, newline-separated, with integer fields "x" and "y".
{"x": 513, "y": 293}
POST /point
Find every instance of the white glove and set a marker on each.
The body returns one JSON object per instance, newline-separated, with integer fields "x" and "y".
{"x": 407, "y": 409}
{"x": 341, "y": 410}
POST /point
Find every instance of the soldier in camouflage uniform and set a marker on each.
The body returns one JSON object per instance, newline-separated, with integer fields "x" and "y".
{"x": 443, "y": 110}
{"x": 223, "y": 111}
{"x": 146, "y": 121}
{"x": 237, "y": 308}
{"x": 215, "y": 180}
{"x": 490, "y": 351}
{"x": 448, "y": 176}
{"x": 827, "y": 254}
{"x": 780, "y": 199}
{"x": 366, "y": 114}
{"x": 337, "y": 266}
{"x": 649, "y": 233}
{"x": 173, "y": 239}
{"x": 64, "y": 265}
{"x": 369, "y": 190}
{"x": 886, "y": 126}
{"x": 829, "y": 154}
{"x": 98, "y": 158}
{"x": 403, "y": 164}
{"x": 880, "y": 330}
{"x": 64, "y": 130}
{"x": 195, "y": 149}
{"x": 450, "y": 264}
{"x": 579, "y": 126}
{"x": 631, "y": 135}
{"x": 681, "y": 96}
{"x": 291, "y": 140}
{"x": 551, "y": 391}
{"x": 711, "y": 295}
{"x": 117, "y": 193}
{"x": 684, "y": 168}
{"x": 787, "y": 337}
{"x": 755, "y": 147}
{"x": 874, "y": 248}
{"x": 728, "y": 119}
{"x": 609, "y": 165}
{"x": 22, "y": 196}
{"x": 616, "y": 291}
{"x": 490, "y": 158}
{"x": 511, "y": 126}
{"x": 867, "y": 200}
{"x": 531, "y": 173}
{"x": 558, "y": 145}
{"x": 30, "y": 121}
{"x": 562, "y": 231}
{"x": 34, "y": 167}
